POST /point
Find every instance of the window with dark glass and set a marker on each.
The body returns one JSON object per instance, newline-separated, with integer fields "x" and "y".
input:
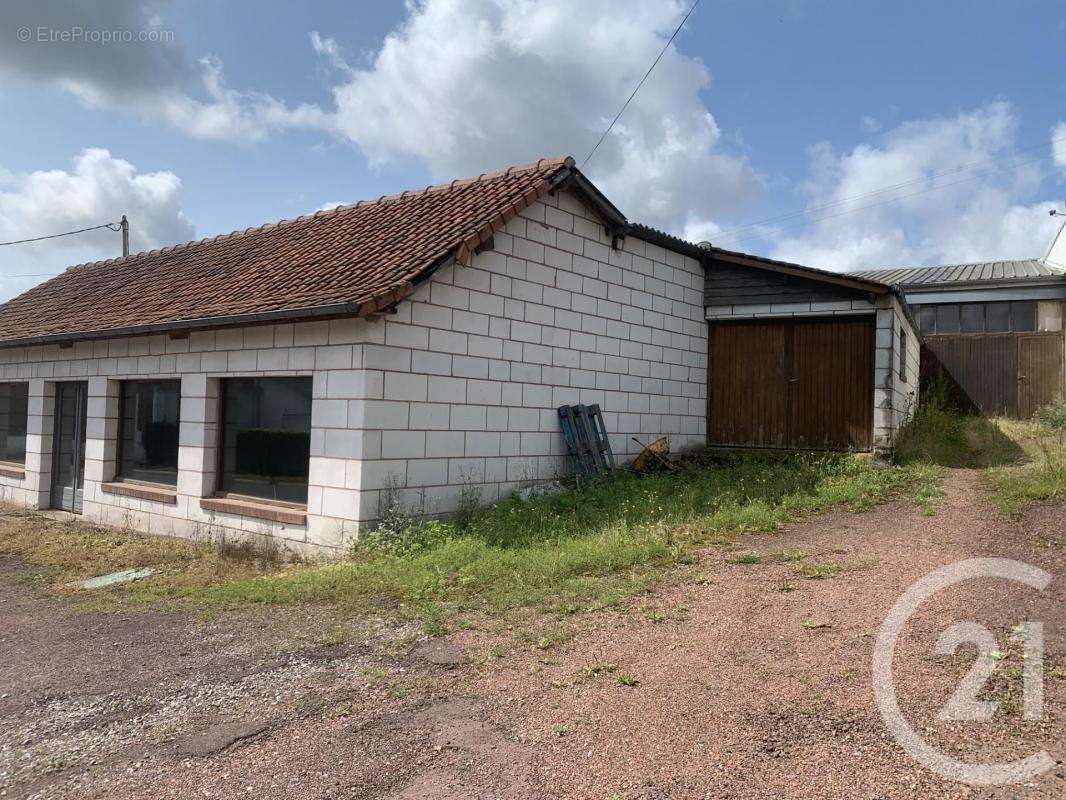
{"x": 148, "y": 440}
{"x": 902, "y": 355}
{"x": 13, "y": 406}
{"x": 947, "y": 318}
{"x": 973, "y": 317}
{"x": 997, "y": 317}
{"x": 927, "y": 319}
{"x": 1023, "y": 316}
{"x": 266, "y": 437}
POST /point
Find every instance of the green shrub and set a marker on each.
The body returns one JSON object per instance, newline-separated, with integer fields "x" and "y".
{"x": 1053, "y": 415}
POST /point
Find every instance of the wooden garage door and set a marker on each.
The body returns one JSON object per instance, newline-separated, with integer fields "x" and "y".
{"x": 792, "y": 384}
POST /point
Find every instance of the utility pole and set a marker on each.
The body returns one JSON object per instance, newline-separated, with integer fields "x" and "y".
{"x": 125, "y": 236}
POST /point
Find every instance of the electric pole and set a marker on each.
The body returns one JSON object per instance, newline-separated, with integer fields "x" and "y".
{"x": 125, "y": 236}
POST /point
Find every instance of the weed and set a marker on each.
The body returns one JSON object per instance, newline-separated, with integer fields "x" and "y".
{"x": 746, "y": 558}
{"x": 1043, "y": 479}
{"x": 1053, "y": 415}
{"x": 788, "y": 555}
{"x": 598, "y": 668}
{"x": 625, "y": 679}
{"x": 817, "y": 572}
{"x": 786, "y": 586}
{"x": 470, "y": 508}
{"x": 939, "y": 434}
{"x": 653, "y": 614}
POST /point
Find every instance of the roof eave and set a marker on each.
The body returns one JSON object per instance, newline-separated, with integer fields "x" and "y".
{"x": 860, "y": 284}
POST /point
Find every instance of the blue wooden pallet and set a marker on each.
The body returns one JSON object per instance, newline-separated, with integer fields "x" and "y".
{"x": 586, "y": 441}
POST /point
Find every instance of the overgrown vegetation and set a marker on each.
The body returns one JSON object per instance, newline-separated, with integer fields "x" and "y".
{"x": 1053, "y": 415}
{"x": 938, "y": 433}
{"x": 561, "y": 552}
{"x": 60, "y": 552}
{"x": 1041, "y": 478}
{"x": 1026, "y": 461}
{"x": 569, "y": 550}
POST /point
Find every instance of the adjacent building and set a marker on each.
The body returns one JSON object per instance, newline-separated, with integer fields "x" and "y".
{"x": 996, "y": 327}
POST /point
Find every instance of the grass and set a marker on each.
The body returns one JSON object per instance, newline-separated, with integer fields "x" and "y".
{"x": 939, "y": 434}
{"x": 564, "y": 552}
{"x": 1026, "y": 462}
{"x": 1042, "y": 478}
{"x": 61, "y": 552}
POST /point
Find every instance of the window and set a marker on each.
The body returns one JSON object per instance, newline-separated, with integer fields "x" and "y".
{"x": 902, "y": 354}
{"x": 1023, "y": 316}
{"x": 997, "y": 317}
{"x": 266, "y": 437}
{"x": 13, "y": 405}
{"x": 148, "y": 439}
{"x": 947, "y": 319}
{"x": 927, "y": 319}
{"x": 973, "y": 317}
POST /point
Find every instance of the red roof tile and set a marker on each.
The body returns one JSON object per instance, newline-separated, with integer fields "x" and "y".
{"x": 354, "y": 259}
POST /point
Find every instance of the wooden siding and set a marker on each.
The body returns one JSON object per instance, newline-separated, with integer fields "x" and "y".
{"x": 730, "y": 284}
{"x": 791, "y": 384}
{"x": 1009, "y": 375}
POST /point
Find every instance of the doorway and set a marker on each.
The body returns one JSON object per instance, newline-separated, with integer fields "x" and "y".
{"x": 68, "y": 458}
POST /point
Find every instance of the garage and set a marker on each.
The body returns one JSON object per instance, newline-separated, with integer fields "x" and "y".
{"x": 804, "y": 358}
{"x": 800, "y": 383}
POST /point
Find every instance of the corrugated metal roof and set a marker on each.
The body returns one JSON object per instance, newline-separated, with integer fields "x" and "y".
{"x": 1023, "y": 271}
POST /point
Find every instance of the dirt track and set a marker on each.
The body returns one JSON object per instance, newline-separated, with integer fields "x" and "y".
{"x": 742, "y": 689}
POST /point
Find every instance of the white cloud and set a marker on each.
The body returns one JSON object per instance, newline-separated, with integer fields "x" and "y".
{"x": 99, "y": 188}
{"x": 468, "y": 85}
{"x": 982, "y": 206}
{"x": 1058, "y": 145}
{"x": 156, "y": 80}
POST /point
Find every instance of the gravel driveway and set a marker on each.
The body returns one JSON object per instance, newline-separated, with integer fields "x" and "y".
{"x": 749, "y": 681}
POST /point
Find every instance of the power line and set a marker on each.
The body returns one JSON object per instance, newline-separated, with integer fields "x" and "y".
{"x": 625, "y": 105}
{"x": 114, "y": 226}
{"x": 731, "y": 232}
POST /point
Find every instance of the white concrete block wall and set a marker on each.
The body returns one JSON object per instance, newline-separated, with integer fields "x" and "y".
{"x": 330, "y": 352}
{"x": 895, "y": 398}
{"x": 458, "y": 388}
{"x": 469, "y": 372}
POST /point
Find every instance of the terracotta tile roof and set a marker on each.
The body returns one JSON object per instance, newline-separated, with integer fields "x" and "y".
{"x": 354, "y": 259}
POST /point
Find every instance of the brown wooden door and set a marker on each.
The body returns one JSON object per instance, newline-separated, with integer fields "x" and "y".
{"x": 1003, "y": 375}
{"x": 1039, "y": 371}
{"x": 831, "y": 403}
{"x": 985, "y": 368}
{"x": 750, "y": 386}
{"x": 792, "y": 384}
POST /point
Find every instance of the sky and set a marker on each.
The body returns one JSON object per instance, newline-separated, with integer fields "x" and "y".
{"x": 841, "y": 135}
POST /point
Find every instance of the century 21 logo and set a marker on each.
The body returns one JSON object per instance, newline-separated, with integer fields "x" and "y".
{"x": 964, "y": 703}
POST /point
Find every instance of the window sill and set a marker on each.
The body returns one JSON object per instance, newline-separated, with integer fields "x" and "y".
{"x": 12, "y": 470}
{"x": 285, "y": 514}
{"x": 142, "y": 491}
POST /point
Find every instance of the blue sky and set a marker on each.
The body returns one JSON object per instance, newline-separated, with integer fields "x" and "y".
{"x": 759, "y": 110}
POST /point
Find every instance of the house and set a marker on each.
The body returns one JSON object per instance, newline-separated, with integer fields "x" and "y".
{"x": 287, "y": 380}
{"x": 996, "y": 327}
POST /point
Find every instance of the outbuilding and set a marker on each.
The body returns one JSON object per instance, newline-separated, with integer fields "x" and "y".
{"x": 289, "y": 380}
{"x": 995, "y": 327}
